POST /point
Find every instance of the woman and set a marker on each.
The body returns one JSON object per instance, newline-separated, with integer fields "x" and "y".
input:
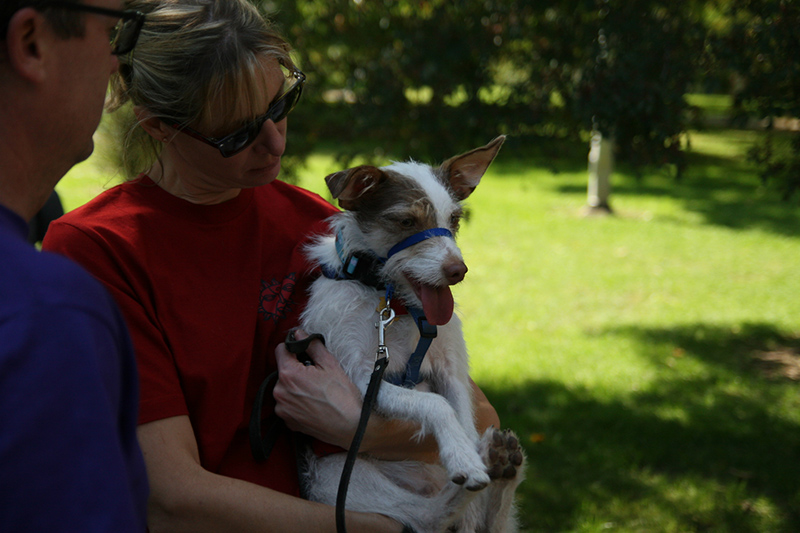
{"x": 203, "y": 252}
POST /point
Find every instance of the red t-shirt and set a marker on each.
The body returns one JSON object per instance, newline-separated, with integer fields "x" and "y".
{"x": 208, "y": 292}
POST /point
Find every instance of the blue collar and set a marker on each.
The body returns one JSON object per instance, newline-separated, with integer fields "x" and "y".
{"x": 418, "y": 238}
{"x": 364, "y": 266}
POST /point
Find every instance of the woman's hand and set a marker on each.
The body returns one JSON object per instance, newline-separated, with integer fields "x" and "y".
{"x": 318, "y": 400}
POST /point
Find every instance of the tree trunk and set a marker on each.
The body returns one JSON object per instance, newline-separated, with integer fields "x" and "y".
{"x": 601, "y": 165}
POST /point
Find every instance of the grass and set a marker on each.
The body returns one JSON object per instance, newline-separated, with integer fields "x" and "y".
{"x": 623, "y": 349}
{"x": 644, "y": 359}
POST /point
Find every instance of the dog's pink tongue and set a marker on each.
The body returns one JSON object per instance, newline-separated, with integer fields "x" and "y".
{"x": 437, "y": 304}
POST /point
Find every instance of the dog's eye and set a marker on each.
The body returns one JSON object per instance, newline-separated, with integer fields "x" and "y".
{"x": 407, "y": 223}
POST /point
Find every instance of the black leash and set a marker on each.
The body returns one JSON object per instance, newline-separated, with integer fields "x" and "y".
{"x": 385, "y": 317}
{"x": 352, "y": 453}
{"x": 259, "y": 446}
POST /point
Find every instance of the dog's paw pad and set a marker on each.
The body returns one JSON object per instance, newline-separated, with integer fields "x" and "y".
{"x": 515, "y": 458}
{"x": 509, "y": 472}
{"x": 495, "y": 471}
{"x": 502, "y": 454}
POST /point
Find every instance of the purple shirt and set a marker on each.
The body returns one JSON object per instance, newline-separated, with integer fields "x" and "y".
{"x": 69, "y": 459}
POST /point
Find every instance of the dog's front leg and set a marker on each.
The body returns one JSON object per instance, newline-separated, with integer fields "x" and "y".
{"x": 457, "y": 450}
{"x": 458, "y": 393}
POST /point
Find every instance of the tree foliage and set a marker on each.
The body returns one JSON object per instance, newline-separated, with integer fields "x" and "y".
{"x": 413, "y": 77}
{"x": 637, "y": 70}
{"x": 429, "y": 78}
{"x": 433, "y": 77}
{"x": 760, "y": 44}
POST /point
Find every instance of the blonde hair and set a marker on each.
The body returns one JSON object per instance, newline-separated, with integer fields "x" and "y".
{"x": 190, "y": 54}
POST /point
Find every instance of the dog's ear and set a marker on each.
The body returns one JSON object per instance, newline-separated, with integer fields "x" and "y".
{"x": 464, "y": 172}
{"x": 352, "y": 185}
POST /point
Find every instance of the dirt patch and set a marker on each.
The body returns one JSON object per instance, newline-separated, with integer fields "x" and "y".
{"x": 780, "y": 363}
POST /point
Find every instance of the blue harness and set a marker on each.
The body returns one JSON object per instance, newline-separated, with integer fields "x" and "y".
{"x": 365, "y": 268}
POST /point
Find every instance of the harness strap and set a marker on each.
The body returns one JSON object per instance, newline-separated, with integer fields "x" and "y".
{"x": 410, "y": 378}
{"x": 365, "y": 266}
{"x": 418, "y": 238}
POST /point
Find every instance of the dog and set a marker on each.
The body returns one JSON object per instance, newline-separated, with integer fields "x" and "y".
{"x": 419, "y": 207}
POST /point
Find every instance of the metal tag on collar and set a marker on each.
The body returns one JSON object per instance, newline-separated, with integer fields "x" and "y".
{"x": 418, "y": 238}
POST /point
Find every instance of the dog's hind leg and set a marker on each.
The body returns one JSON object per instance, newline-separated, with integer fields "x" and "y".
{"x": 412, "y": 493}
{"x": 506, "y": 463}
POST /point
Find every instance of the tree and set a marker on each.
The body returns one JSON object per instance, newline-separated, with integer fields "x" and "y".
{"x": 421, "y": 79}
{"x": 429, "y": 78}
{"x": 625, "y": 79}
{"x": 632, "y": 87}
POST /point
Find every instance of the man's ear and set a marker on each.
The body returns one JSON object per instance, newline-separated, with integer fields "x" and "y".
{"x": 28, "y": 40}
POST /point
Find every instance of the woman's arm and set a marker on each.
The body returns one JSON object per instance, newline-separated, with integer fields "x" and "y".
{"x": 186, "y": 497}
{"x": 322, "y": 402}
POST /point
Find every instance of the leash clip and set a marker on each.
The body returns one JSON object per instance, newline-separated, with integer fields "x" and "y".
{"x": 385, "y": 318}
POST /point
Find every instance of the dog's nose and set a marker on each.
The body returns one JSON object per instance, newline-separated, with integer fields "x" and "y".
{"x": 455, "y": 272}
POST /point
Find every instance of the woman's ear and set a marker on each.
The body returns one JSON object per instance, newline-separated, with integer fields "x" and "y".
{"x": 153, "y": 125}
{"x": 28, "y": 41}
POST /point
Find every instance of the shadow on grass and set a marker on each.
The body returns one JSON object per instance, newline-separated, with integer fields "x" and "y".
{"x": 716, "y": 450}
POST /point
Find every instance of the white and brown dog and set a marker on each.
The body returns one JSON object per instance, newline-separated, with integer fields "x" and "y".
{"x": 399, "y": 223}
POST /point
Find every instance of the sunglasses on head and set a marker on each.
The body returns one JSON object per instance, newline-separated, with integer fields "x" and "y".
{"x": 235, "y": 142}
{"x": 125, "y": 33}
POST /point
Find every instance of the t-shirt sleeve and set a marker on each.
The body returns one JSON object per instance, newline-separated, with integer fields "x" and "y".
{"x": 72, "y": 463}
{"x": 160, "y": 393}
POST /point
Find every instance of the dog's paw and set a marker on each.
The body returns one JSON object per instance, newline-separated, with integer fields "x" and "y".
{"x": 466, "y": 469}
{"x": 502, "y": 454}
{"x": 475, "y": 482}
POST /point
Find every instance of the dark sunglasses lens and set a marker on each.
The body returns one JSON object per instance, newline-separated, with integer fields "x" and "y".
{"x": 278, "y": 110}
{"x": 282, "y": 107}
{"x": 241, "y": 139}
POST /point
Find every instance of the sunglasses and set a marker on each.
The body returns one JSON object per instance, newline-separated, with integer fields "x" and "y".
{"x": 125, "y": 33}
{"x": 235, "y": 142}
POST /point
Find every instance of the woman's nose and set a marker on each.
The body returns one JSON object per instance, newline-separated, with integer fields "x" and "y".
{"x": 272, "y": 137}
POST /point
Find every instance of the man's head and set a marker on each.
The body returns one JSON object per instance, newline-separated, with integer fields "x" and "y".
{"x": 55, "y": 62}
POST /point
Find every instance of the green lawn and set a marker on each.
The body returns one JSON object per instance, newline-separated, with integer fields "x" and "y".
{"x": 624, "y": 350}
{"x": 645, "y": 359}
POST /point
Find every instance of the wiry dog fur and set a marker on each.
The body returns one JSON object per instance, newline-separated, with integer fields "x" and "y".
{"x": 473, "y": 489}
